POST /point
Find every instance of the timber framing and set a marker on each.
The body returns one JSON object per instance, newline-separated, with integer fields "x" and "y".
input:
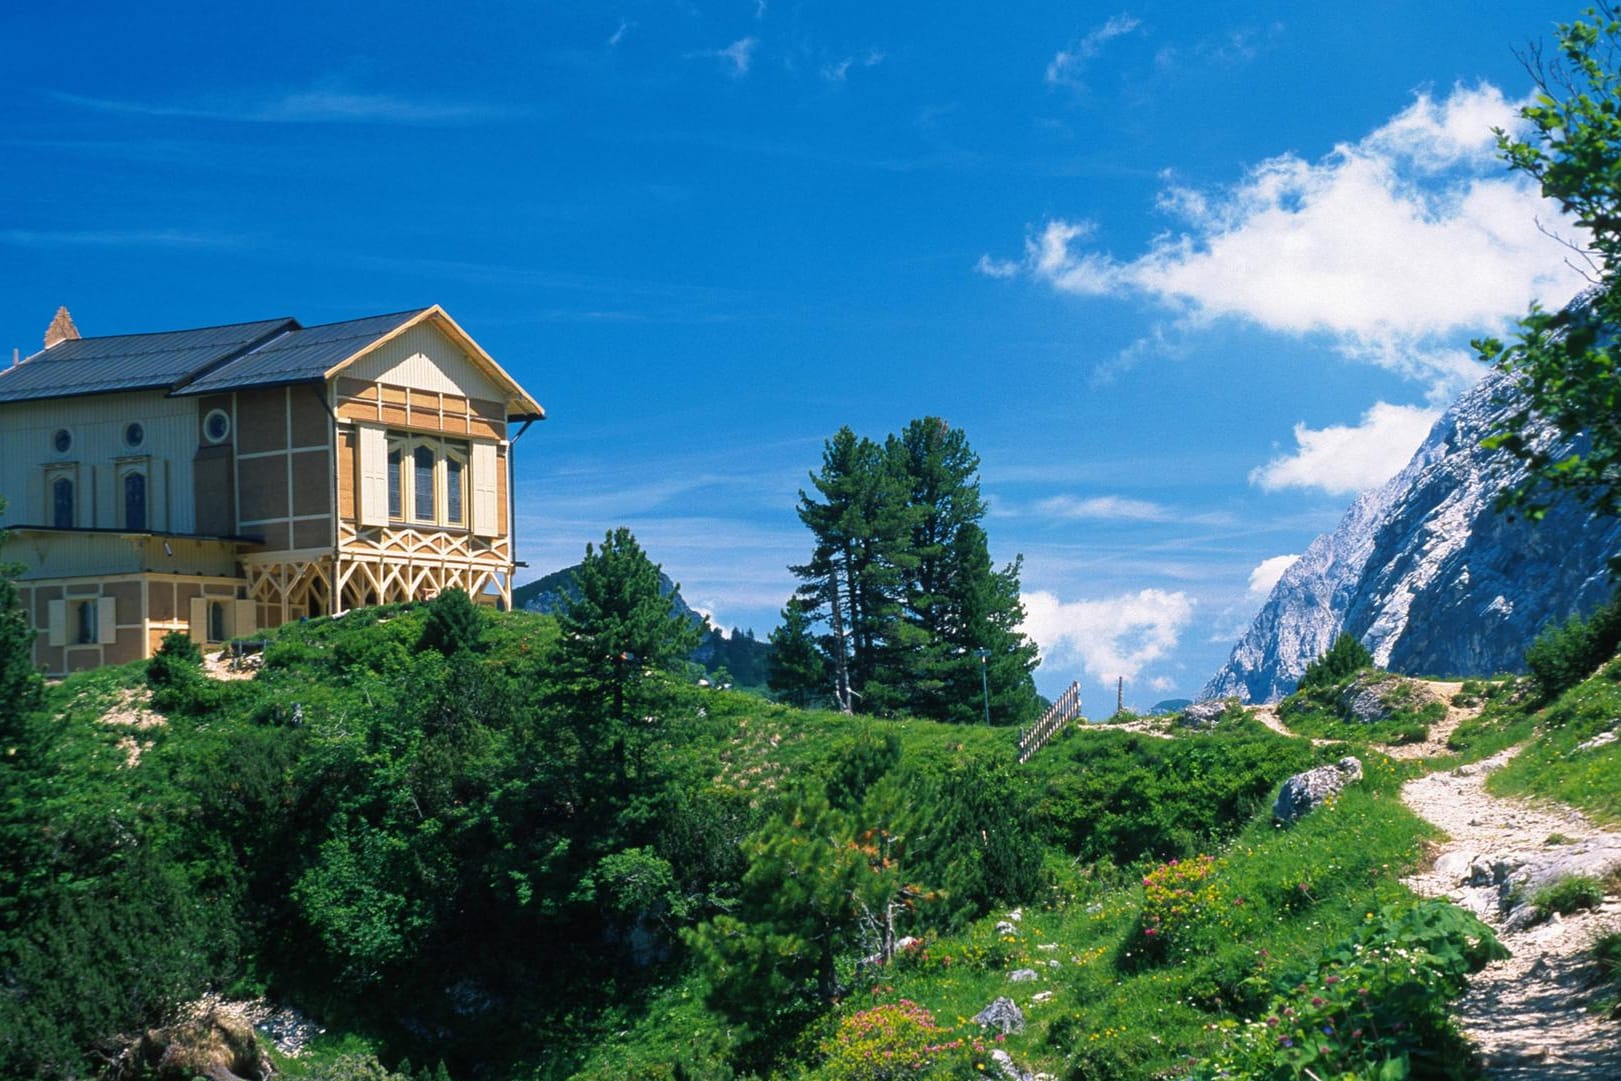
{"x": 294, "y": 472}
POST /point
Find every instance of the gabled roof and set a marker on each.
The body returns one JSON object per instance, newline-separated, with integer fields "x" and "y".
{"x": 300, "y": 354}
{"x": 242, "y": 356}
{"x": 131, "y": 361}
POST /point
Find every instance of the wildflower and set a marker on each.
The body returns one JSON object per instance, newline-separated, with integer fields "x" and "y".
{"x": 1315, "y": 1001}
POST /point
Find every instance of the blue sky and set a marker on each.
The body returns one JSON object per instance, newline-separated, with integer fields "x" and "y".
{"x": 1188, "y": 276}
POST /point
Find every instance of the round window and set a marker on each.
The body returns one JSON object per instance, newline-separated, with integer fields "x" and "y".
{"x": 217, "y": 425}
{"x": 134, "y": 434}
{"x": 62, "y": 440}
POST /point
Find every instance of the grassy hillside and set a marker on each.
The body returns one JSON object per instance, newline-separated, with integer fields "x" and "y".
{"x": 466, "y": 859}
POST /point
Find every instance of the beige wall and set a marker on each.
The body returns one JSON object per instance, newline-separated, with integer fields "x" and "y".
{"x": 97, "y": 424}
{"x": 145, "y": 607}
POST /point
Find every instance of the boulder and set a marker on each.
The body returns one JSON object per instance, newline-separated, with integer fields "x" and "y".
{"x": 1022, "y": 975}
{"x": 1003, "y": 1015}
{"x": 1204, "y": 714}
{"x": 1305, "y": 792}
{"x": 1376, "y": 696}
{"x": 1005, "y": 1066}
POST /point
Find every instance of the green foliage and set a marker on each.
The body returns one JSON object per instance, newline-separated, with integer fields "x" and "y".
{"x": 1570, "y": 894}
{"x": 797, "y": 672}
{"x": 1565, "y": 362}
{"x": 1323, "y": 710}
{"x": 1606, "y": 953}
{"x": 917, "y": 618}
{"x": 1373, "y": 1006}
{"x": 454, "y": 623}
{"x": 1122, "y": 796}
{"x": 1571, "y": 757}
{"x": 891, "y": 1042}
{"x": 1344, "y": 658}
{"x": 1563, "y": 656}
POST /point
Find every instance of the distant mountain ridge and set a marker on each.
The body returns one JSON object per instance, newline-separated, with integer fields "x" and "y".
{"x": 742, "y": 655}
{"x": 1426, "y": 572}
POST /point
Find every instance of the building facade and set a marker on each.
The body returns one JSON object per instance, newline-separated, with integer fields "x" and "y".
{"x": 220, "y": 480}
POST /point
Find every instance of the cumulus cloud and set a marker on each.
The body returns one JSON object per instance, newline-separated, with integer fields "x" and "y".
{"x": 1343, "y": 459}
{"x": 1066, "y": 67}
{"x": 1161, "y": 684}
{"x": 1266, "y": 575}
{"x": 1109, "y": 638}
{"x": 1392, "y": 246}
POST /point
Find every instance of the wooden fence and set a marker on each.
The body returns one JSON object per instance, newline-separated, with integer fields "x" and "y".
{"x": 1064, "y": 710}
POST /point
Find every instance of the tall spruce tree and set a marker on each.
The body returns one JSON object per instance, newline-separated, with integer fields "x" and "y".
{"x": 853, "y": 578}
{"x": 616, "y": 630}
{"x": 901, "y": 579}
{"x": 796, "y": 669}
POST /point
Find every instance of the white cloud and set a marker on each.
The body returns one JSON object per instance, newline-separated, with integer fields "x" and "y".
{"x": 840, "y": 71}
{"x": 996, "y": 268}
{"x": 619, "y": 35}
{"x": 1266, "y": 575}
{"x": 325, "y": 104}
{"x": 740, "y": 53}
{"x": 1108, "y": 507}
{"x": 1161, "y": 684}
{"x": 1066, "y": 67}
{"x": 1342, "y": 459}
{"x": 1109, "y": 638}
{"x": 1393, "y": 246}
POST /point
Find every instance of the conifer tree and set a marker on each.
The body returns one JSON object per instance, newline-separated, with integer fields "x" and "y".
{"x": 901, "y": 579}
{"x": 797, "y": 671}
{"x": 615, "y": 629}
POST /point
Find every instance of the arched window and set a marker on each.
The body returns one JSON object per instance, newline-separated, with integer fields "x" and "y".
{"x": 135, "y": 501}
{"x": 216, "y": 621}
{"x": 62, "y": 503}
{"x": 422, "y": 484}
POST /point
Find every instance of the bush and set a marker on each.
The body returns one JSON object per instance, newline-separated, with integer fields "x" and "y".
{"x": 1563, "y": 656}
{"x": 888, "y": 1042}
{"x": 1344, "y": 658}
{"x": 454, "y": 623}
{"x": 177, "y": 658}
{"x": 1570, "y": 895}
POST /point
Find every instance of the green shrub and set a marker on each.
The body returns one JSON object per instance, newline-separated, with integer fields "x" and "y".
{"x": 1563, "y": 656}
{"x": 1344, "y": 658}
{"x": 177, "y": 658}
{"x": 889, "y": 1042}
{"x": 1373, "y": 1006}
{"x": 1570, "y": 895}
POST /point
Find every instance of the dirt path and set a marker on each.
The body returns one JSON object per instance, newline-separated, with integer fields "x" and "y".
{"x": 1528, "y": 1014}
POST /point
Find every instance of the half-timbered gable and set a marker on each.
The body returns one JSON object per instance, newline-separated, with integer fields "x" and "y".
{"x": 219, "y": 480}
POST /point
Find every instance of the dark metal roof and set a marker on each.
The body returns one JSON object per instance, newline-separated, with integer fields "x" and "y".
{"x": 131, "y": 361}
{"x": 298, "y": 355}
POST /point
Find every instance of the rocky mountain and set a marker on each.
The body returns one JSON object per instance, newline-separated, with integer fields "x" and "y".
{"x": 1426, "y": 572}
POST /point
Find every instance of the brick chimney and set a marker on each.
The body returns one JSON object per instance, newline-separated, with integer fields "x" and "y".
{"x": 61, "y": 328}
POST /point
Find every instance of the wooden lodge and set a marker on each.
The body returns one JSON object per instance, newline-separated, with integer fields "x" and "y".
{"x": 220, "y": 480}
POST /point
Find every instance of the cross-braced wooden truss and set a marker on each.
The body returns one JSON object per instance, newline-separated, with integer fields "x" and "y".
{"x": 377, "y": 566}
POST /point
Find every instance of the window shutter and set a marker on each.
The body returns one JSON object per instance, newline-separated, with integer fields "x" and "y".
{"x": 199, "y": 621}
{"x": 373, "y": 478}
{"x": 486, "y": 504}
{"x": 58, "y": 629}
{"x": 106, "y": 620}
{"x": 244, "y": 617}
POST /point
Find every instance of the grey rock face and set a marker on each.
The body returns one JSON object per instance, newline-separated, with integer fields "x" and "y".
{"x": 1374, "y": 697}
{"x": 1426, "y": 572}
{"x": 1202, "y": 714}
{"x": 1003, "y": 1015}
{"x": 1305, "y": 792}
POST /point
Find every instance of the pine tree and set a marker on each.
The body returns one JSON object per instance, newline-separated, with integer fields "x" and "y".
{"x": 617, "y": 629}
{"x": 853, "y": 578}
{"x": 797, "y": 671}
